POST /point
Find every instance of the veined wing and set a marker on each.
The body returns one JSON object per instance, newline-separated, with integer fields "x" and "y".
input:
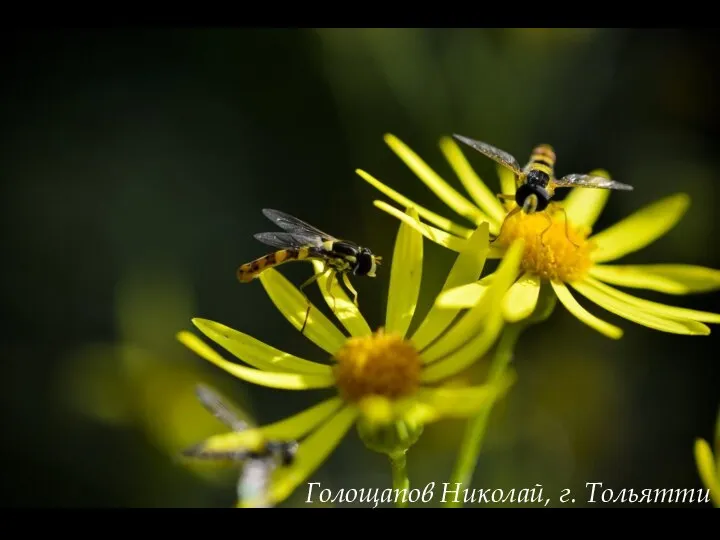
{"x": 497, "y": 155}
{"x": 295, "y": 226}
{"x": 586, "y": 180}
{"x": 220, "y": 408}
{"x": 287, "y": 240}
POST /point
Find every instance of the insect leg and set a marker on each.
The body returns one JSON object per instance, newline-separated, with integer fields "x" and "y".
{"x": 347, "y": 283}
{"x": 546, "y": 228}
{"x": 567, "y": 232}
{"x": 510, "y": 214}
{"x": 332, "y": 276}
{"x": 309, "y": 281}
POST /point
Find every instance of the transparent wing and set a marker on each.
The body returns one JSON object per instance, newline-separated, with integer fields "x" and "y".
{"x": 294, "y": 225}
{"x": 585, "y": 180}
{"x": 254, "y": 481}
{"x": 214, "y": 402}
{"x": 499, "y": 156}
{"x": 287, "y": 240}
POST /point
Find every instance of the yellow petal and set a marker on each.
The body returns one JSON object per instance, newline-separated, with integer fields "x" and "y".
{"x": 289, "y": 429}
{"x": 405, "y": 277}
{"x": 521, "y": 298}
{"x": 338, "y": 300}
{"x": 666, "y": 278}
{"x": 432, "y": 180}
{"x": 429, "y": 216}
{"x": 709, "y": 474}
{"x": 431, "y": 233}
{"x": 255, "y": 352}
{"x": 433, "y": 404}
{"x": 655, "y": 308}
{"x": 464, "y": 296}
{"x": 584, "y": 205}
{"x": 476, "y": 332}
{"x": 508, "y": 182}
{"x": 293, "y": 305}
{"x": 311, "y": 454}
{"x": 567, "y": 300}
{"x": 272, "y": 379}
{"x": 640, "y": 229}
{"x": 627, "y": 311}
{"x": 486, "y": 199}
{"x": 467, "y": 268}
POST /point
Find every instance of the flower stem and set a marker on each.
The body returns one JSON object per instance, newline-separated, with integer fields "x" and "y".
{"x": 398, "y": 461}
{"x": 477, "y": 426}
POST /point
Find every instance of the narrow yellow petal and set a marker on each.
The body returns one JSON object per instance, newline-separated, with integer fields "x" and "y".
{"x": 255, "y": 352}
{"x": 405, "y": 277}
{"x": 464, "y": 296}
{"x": 467, "y": 267}
{"x": 477, "y": 328}
{"x": 521, "y": 298}
{"x": 666, "y": 278}
{"x": 584, "y": 205}
{"x": 289, "y": 429}
{"x": 293, "y": 305}
{"x": 272, "y": 379}
{"x": 337, "y": 299}
{"x": 437, "y": 403}
{"x": 486, "y": 199}
{"x": 567, "y": 300}
{"x": 639, "y": 316}
{"x": 709, "y": 474}
{"x": 429, "y": 216}
{"x": 432, "y": 180}
{"x": 508, "y": 182}
{"x": 655, "y": 308}
{"x": 311, "y": 454}
{"x": 640, "y": 229}
{"x": 431, "y": 233}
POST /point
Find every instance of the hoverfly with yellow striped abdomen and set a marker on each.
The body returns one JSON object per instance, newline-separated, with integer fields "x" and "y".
{"x": 302, "y": 241}
{"x": 536, "y": 183}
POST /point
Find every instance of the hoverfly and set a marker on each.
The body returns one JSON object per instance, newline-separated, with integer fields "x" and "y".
{"x": 258, "y": 462}
{"x": 536, "y": 183}
{"x": 302, "y": 241}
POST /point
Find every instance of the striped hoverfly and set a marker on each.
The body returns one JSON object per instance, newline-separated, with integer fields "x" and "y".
{"x": 259, "y": 461}
{"x": 302, "y": 241}
{"x": 536, "y": 182}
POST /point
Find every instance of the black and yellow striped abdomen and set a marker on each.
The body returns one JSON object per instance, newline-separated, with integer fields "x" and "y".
{"x": 249, "y": 271}
{"x": 542, "y": 159}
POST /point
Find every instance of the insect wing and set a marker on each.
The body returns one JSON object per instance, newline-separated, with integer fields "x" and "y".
{"x": 295, "y": 226}
{"x": 586, "y": 180}
{"x": 254, "y": 482}
{"x": 287, "y": 240}
{"x": 497, "y": 155}
{"x": 220, "y": 407}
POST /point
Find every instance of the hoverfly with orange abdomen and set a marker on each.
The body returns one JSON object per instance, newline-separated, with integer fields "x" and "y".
{"x": 536, "y": 183}
{"x": 302, "y": 241}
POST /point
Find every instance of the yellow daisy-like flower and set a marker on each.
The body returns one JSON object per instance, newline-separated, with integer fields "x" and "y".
{"x": 709, "y": 465}
{"x": 388, "y": 381}
{"x": 559, "y": 252}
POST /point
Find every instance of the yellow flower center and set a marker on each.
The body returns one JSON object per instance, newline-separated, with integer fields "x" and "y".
{"x": 377, "y": 365}
{"x": 554, "y": 250}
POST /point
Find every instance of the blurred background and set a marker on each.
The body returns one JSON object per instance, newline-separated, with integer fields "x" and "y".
{"x": 135, "y": 164}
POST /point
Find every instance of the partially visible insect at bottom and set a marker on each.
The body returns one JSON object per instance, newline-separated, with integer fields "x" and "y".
{"x": 258, "y": 462}
{"x": 302, "y": 241}
{"x": 535, "y": 184}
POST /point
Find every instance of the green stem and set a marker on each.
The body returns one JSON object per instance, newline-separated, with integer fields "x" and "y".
{"x": 477, "y": 426}
{"x": 398, "y": 461}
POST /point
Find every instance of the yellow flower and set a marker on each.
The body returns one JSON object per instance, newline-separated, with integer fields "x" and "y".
{"x": 709, "y": 465}
{"x": 558, "y": 252}
{"x": 389, "y": 380}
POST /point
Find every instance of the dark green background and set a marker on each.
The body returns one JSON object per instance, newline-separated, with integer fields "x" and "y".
{"x": 134, "y": 165}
